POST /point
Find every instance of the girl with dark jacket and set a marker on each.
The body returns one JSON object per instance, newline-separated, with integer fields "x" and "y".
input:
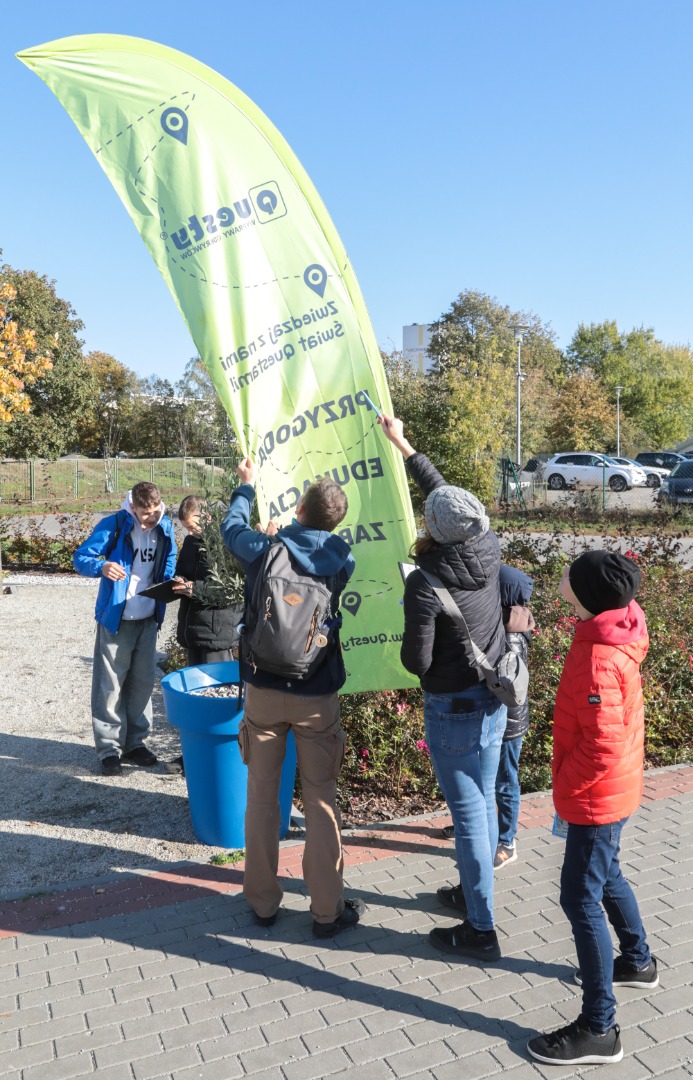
{"x": 206, "y": 632}
{"x": 464, "y": 721}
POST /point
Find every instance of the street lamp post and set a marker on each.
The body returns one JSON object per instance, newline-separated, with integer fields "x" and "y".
{"x": 519, "y": 330}
{"x": 618, "y": 420}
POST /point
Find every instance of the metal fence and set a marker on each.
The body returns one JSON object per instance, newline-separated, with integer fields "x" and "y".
{"x": 42, "y": 481}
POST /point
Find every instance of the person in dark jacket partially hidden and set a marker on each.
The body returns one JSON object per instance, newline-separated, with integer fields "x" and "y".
{"x": 464, "y": 721}
{"x": 208, "y": 633}
{"x": 515, "y": 590}
{"x": 205, "y": 632}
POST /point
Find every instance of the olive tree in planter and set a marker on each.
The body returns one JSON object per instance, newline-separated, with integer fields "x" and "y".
{"x": 223, "y": 587}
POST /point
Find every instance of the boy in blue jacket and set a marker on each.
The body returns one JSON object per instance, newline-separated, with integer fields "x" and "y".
{"x": 129, "y": 551}
{"x": 274, "y": 704}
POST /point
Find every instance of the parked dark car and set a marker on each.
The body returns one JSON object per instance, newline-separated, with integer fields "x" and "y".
{"x": 534, "y": 464}
{"x": 661, "y": 459}
{"x": 678, "y": 486}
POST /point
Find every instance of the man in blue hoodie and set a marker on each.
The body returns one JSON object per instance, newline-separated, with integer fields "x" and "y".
{"x": 310, "y": 708}
{"x": 128, "y": 551}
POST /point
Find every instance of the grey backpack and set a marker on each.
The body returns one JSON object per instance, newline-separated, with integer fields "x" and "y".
{"x": 289, "y": 622}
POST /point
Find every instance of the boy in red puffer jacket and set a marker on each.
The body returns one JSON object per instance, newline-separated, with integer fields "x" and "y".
{"x": 598, "y": 734}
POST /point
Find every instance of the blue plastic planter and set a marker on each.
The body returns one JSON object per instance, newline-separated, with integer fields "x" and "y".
{"x": 216, "y": 777}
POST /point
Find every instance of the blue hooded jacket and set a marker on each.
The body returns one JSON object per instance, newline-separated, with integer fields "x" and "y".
{"x": 515, "y": 587}
{"x": 89, "y": 558}
{"x": 516, "y": 591}
{"x": 317, "y": 552}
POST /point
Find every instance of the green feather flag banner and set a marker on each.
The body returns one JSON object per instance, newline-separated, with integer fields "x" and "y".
{"x": 265, "y": 287}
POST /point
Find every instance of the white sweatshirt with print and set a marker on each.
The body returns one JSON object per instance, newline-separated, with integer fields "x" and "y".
{"x": 142, "y": 574}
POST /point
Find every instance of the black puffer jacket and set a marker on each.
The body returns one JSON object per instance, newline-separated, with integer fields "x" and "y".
{"x": 433, "y": 647}
{"x": 200, "y": 626}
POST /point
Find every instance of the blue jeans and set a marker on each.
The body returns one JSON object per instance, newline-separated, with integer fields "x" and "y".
{"x": 508, "y": 791}
{"x": 464, "y": 733}
{"x": 591, "y": 884}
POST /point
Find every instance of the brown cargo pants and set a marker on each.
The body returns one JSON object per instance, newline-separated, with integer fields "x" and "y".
{"x": 269, "y": 714}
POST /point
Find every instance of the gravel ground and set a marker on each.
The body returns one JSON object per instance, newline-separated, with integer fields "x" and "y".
{"x": 63, "y": 822}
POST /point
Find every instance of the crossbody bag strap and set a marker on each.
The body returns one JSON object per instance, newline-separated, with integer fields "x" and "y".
{"x": 450, "y": 607}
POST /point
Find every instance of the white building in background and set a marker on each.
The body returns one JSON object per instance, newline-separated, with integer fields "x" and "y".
{"x": 415, "y": 341}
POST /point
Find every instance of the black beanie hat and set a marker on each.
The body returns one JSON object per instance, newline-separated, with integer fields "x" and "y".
{"x": 602, "y": 580}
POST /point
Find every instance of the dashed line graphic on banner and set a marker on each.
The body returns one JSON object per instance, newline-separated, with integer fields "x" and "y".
{"x": 287, "y": 473}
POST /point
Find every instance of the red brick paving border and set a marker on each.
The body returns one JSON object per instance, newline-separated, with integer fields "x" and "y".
{"x": 142, "y": 892}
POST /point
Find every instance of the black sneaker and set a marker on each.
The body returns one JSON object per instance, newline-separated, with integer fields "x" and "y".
{"x": 266, "y": 920}
{"x": 448, "y": 832}
{"x": 110, "y": 766}
{"x": 353, "y": 910}
{"x": 140, "y": 756}
{"x": 576, "y": 1045}
{"x": 465, "y": 940}
{"x": 452, "y": 896}
{"x": 627, "y": 975}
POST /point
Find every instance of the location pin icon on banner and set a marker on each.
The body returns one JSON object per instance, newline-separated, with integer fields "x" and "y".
{"x": 175, "y": 123}
{"x": 315, "y": 277}
{"x": 351, "y": 601}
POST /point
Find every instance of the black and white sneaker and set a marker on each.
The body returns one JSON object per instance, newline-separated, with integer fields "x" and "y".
{"x": 576, "y": 1045}
{"x": 110, "y": 766}
{"x": 452, "y": 896}
{"x": 627, "y": 975}
{"x": 353, "y": 910}
{"x": 465, "y": 940}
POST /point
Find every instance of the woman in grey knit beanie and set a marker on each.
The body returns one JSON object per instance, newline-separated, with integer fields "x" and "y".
{"x": 464, "y": 721}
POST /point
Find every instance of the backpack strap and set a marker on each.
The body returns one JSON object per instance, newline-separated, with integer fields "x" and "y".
{"x": 480, "y": 659}
{"x": 120, "y": 521}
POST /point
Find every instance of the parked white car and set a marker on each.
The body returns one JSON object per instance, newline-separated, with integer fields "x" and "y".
{"x": 590, "y": 470}
{"x": 654, "y": 474}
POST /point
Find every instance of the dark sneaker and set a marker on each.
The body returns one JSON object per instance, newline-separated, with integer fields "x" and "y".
{"x": 175, "y": 767}
{"x": 140, "y": 756}
{"x": 448, "y": 832}
{"x": 505, "y": 855}
{"x": 465, "y": 940}
{"x": 576, "y": 1045}
{"x": 266, "y": 920}
{"x": 353, "y": 910}
{"x": 452, "y": 896}
{"x": 627, "y": 975}
{"x": 110, "y": 766}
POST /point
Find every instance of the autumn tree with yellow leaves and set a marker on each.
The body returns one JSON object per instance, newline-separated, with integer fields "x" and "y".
{"x": 20, "y": 365}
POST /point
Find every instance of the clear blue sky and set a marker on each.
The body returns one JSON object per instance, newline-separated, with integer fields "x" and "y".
{"x": 539, "y": 151}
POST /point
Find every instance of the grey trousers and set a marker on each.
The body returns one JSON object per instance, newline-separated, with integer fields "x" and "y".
{"x": 121, "y": 686}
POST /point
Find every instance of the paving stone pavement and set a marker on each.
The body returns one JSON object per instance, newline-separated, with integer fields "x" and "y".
{"x": 166, "y": 975}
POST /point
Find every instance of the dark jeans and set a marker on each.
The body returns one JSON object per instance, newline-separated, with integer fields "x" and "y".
{"x": 508, "y": 791}
{"x": 591, "y": 884}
